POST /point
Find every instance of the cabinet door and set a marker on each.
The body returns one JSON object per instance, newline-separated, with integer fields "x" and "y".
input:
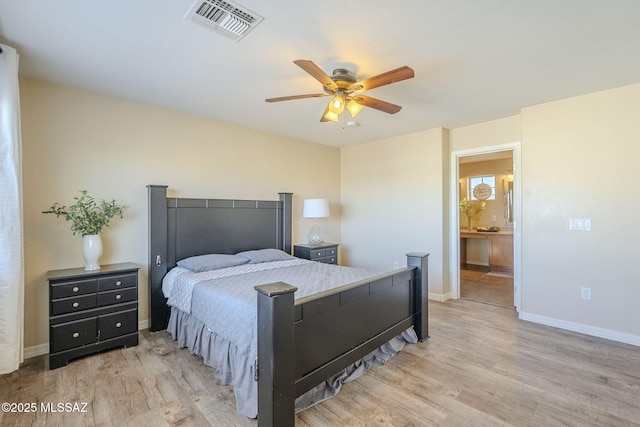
{"x": 116, "y": 324}
{"x": 73, "y": 334}
{"x": 501, "y": 252}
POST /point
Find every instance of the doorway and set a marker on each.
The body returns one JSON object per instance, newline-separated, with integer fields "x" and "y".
{"x": 485, "y": 260}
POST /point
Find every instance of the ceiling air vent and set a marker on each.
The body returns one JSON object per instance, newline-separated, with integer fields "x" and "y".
{"x": 228, "y": 18}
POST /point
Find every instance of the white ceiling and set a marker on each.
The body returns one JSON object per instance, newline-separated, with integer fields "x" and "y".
{"x": 474, "y": 60}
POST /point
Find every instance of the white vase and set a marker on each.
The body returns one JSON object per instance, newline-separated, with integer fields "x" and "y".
{"x": 91, "y": 250}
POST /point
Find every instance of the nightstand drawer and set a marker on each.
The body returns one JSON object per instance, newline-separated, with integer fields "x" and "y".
{"x": 70, "y": 289}
{"x": 332, "y": 252}
{"x": 118, "y": 282}
{"x": 317, "y": 253}
{"x": 73, "y": 334}
{"x": 70, "y": 305}
{"x": 330, "y": 260}
{"x": 116, "y": 324}
{"x": 117, "y": 296}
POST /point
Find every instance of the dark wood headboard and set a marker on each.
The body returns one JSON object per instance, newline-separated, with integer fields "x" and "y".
{"x": 184, "y": 227}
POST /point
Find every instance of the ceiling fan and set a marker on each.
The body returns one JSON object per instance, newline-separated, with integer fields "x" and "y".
{"x": 346, "y": 90}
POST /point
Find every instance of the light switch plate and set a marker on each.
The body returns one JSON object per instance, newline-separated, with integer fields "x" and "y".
{"x": 578, "y": 224}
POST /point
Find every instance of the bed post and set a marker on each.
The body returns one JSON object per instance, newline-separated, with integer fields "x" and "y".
{"x": 159, "y": 310}
{"x": 421, "y": 298}
{"x": 276, "y": 355}
{"x": 286, "y": 199}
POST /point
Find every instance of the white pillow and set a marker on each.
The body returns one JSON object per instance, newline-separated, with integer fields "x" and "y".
{"x": 211, "y": 262}
{"x": 265, "y": 255}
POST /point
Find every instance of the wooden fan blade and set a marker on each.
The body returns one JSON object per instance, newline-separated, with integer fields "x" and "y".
{"x": 378, "y": 104}
{"x": 289, "y": 98}
{"x": 393, "y": 76}
{"x": 316, "y": 73}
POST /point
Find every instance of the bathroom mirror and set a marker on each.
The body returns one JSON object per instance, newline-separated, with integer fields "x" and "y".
{"x": 508, "y": 199}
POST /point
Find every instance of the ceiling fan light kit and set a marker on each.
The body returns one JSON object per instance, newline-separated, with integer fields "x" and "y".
{"x": 354, "y": 108}
{"x": 330, "y": 115}
{"x": 345, "y": 89}
{"x": 337, "y": 103}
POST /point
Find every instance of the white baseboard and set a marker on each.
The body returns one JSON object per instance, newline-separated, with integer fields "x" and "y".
{"x": 36, "y": 350}
{"x": 583, "y": 329}
{"x": 439, "y": 297}
{"x": 481, "y": 263}
{"x": 40, "y": 349}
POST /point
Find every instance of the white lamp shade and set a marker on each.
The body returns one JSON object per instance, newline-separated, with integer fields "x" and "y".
{"x": 315, "y": 208}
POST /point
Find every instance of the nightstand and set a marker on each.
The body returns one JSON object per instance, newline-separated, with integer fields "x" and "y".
{"x": 327, "y": 253}
{"x": 91, "y": 311}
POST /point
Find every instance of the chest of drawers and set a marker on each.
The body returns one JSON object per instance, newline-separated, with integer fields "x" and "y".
{"x": 91, "y": 311}
{"x": 327, "y": 253}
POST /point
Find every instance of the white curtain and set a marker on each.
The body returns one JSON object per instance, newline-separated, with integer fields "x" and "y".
{"x": 11, "y": 240}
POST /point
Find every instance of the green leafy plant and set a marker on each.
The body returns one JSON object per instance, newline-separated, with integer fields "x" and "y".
{"x": 87, "y": 216}
{"x": 472, "y": 207}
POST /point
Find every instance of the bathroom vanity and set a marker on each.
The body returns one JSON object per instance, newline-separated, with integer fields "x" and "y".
{"x": 500, "y": 248}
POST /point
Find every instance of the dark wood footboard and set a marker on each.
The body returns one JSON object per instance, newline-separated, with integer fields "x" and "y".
{"x": 302, "y": 343}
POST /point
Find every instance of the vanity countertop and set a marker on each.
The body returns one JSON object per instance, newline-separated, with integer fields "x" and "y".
{"x": 507, "y": 232}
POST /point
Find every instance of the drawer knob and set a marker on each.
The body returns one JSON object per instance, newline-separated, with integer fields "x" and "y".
{"x": 76, "y": 334}
{"x": 118, "y": 324}
{"x": 76, "y": 289}
{"x": 118, "y": 296}
{"x": 76, "y": 304}
{"x": 118, "y": 283}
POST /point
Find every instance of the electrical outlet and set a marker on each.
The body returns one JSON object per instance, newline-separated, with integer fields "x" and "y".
{"x": 585, "y": 293}
{"x": 580, "y": 224}
{"x": 493, "y": 218}
{"x": 396, "y": 264}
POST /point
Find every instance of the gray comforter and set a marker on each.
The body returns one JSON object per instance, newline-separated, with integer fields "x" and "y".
{"x": 219, "y": 323}
{"x": 228, "y": 305}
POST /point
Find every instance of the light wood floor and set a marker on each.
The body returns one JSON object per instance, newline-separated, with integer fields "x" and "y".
{"x": 477, "y": 284}
{"x": 481, "y": 367}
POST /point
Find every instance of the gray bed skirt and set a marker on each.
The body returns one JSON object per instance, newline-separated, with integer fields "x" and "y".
{"x": 236, "y": 368}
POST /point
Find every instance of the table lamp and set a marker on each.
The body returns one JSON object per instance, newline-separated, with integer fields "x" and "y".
{"x": 315, "y": 208}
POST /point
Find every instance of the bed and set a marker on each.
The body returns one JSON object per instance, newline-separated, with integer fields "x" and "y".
{"x": 331, "y": 332}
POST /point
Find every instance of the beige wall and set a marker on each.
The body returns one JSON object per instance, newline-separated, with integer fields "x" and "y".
{"x": 75, "y": 140}
{"x": 393, "y": 196}
{"x": 496, "y": 132}
{"x": 580, "y": 160}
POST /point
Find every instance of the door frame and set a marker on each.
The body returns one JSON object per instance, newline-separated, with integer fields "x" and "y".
{"x": 454, "y": 218}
